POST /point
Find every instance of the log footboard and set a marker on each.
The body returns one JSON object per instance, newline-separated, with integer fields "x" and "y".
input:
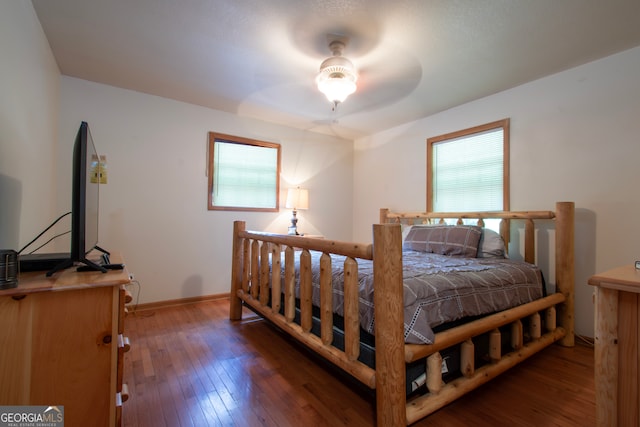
{"x": 257, "y": 281}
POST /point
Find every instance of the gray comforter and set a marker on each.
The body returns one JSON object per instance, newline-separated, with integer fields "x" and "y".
{"x": 440, "y": 289}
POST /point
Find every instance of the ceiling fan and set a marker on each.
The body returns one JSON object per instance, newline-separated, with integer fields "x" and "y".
{"x": 385, "y": 73}
{"x": 337, "y": 77}
{"x": 376, "y": 70}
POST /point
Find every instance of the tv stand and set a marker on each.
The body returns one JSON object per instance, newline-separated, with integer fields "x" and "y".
{"x": 98, "y": 248}
{"x": 88, "y": 264}
{"x": 104, "y": 266}
{"x": 69, "y": 263}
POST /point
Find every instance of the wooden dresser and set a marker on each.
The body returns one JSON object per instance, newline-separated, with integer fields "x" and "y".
{"x": 617, "y": 362}
{"x": 62, "y": 343}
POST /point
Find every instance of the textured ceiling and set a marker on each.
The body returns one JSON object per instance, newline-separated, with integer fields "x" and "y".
{"x": 259, "y": 58}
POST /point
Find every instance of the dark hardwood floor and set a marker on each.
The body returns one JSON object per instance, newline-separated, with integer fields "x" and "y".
{"x": 190, "y": 366}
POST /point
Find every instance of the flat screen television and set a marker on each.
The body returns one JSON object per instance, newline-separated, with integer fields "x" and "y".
{"x": 84, "y": 202}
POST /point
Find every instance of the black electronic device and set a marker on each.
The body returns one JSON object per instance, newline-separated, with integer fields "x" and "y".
{"x": 41, "y": 262}
{"x": 106, "y": 266}
{"x": 84, "y": 202}
{"x": 8, "y": 268}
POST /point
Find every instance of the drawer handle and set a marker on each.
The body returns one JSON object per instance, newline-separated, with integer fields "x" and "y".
{"x": 124, "y": 343}
{"x": 124, "y": 394}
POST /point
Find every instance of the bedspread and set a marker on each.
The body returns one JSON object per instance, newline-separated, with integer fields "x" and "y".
{"x": 438, "y": 289}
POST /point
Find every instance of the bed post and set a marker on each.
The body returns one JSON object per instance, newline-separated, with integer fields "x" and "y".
{"x": 389, "y": 326}
{"x": 235, "y": 303}
{"x": 384, "y": 212}
{"x": 565, "y": 273}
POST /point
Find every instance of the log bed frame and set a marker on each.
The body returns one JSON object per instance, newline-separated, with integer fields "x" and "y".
{"x": 252, "y": 283}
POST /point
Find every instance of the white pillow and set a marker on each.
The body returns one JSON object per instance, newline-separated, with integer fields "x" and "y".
{"x": 491, "y": 245}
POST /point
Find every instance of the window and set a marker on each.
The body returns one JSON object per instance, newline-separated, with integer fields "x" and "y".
{"x": 468, "y": 170}
{"x": 244, "y": 174}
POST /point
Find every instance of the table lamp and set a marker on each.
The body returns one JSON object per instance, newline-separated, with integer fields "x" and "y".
{"x": 297, "y": 198}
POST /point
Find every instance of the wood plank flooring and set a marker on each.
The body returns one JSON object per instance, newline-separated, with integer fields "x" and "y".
{"x": 190, "y": 366}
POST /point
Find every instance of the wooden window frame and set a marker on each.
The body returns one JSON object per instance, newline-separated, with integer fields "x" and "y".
{"x": 503, "y": 124}
{"x": 213, "y": 137}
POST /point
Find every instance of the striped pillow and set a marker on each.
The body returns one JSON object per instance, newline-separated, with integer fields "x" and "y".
{"x": 458, "y": 240}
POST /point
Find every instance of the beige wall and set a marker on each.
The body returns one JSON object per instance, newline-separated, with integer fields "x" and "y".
{"x": 29, "y": 91}
{"x": 574, "y": 136}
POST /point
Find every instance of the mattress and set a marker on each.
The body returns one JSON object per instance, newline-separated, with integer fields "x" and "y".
{"x": 437, "y": 289}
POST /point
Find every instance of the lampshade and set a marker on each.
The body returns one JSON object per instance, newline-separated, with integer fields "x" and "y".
{"x": 337, "y": 77}
{"x": 297, "y": 198}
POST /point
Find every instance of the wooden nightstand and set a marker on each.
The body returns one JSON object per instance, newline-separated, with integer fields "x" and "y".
{"x": 63, "y": 344}
{"x": 617, "y": 365}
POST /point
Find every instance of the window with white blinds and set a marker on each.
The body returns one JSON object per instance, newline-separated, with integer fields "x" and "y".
{"x": 243, "y": 174}
{"x": 468, "y": 170}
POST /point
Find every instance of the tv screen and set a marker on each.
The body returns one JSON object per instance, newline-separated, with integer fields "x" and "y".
{"x": 84, "y": 201}
{"x": 90, "y": 160}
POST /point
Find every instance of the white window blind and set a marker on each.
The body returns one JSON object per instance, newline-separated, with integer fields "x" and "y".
{"x": 468, "y": 172}
{"x": 245, "y": 176}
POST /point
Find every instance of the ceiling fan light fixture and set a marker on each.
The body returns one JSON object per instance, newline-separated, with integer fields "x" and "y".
{"x": 337, "y": 77}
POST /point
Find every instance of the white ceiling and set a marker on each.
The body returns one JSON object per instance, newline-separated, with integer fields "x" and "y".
{"x": 259, "y": 58}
